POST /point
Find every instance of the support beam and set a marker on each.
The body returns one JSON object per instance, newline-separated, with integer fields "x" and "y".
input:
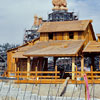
{"x": 73, "y": 68}
{"x": 28, "y": 66}
{"x": 82, "y": 64}
{"x": 15, "y": 65}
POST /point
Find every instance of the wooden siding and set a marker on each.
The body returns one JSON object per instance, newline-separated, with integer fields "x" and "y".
{"x": 66, "y": 36}
{"x": 10, "y": 61}
{"x": 75, "y": 35}
{"x": 43, "y": 37}
{"x": 59, "y": 36}
{"x": 55, "y": 36}
{"x": 98, "y": 39}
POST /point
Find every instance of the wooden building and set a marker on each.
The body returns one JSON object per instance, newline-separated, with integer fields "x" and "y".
{"x": 57, "y": 39}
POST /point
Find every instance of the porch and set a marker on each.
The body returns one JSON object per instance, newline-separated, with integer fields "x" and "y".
{"x": 38, "y": 72}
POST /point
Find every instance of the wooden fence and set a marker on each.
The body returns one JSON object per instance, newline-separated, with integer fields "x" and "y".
{"x": 53, "y": 76}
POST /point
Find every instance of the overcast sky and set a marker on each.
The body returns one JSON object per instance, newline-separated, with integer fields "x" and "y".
{"x": 16, "y": 15}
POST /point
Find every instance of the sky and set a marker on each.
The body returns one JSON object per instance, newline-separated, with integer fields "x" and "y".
{"x": 17, "y": 15}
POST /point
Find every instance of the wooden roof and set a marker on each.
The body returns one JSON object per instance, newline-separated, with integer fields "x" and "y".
{"x": 19, "y": 53}
{"x": 92, "y": 47}
{"x": 55, "y": 48}
{"x": 63, "y": 26}
{"x": 13, "y": 49}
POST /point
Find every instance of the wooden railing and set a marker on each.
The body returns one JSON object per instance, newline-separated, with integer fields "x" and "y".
{"x": 47, "y": 76}
{"x": 91, "y": 75}
{"x": 34, "y": 74}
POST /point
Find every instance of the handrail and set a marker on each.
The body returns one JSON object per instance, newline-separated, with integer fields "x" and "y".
{"x": 33, "y": 72}
{"x": 36, "y": 75}
{"x": 90, "y": 75}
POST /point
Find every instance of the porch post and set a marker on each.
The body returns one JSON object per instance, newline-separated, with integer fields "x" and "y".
{"x": 15, "y": 66}
{"x": 82, "y": 64}
{"x": 73, "y": 68}
{"x": 28, "y": 66}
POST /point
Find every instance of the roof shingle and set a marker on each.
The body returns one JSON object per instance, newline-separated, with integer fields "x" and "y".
{"x": 64, "y": 26}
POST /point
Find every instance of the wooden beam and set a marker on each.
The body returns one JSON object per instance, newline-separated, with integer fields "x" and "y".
{"x": 53, "y": 81}
{"x": 66, "y": 36}
{"x": 28, "y": 66}
{"x": 15, "y": 66}
{"x": 73, "y": 68}
{"x": 82, "y": 64}
{"x": 75, "y": 35}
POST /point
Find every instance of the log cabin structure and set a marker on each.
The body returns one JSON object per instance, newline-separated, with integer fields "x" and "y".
{"x": 73, "y": 38}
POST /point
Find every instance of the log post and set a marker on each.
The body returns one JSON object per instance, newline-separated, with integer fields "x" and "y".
{"x": 76, "y": 73}
{"x": 55, "y": 72}
{"x": 28, "y": 66}
{"x": 36, "y": 75}
{"x": 82, "y": 66}
{"x": 73, "y": 68}
{"x": 15, "y": 67}
{"x": 92, "y": 74}
{"x": 18, "y": 74}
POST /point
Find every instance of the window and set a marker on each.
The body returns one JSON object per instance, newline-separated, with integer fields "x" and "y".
{"x": 71, "y": 35}
{"x": 50, "y": 36}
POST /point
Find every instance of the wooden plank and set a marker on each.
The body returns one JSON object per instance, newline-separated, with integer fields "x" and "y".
{"x": 73, "y": 68}
{"x": 53, "y": 81}
{"x": 33, "y": 72}
{"x": 28, "y": 66}
{"x": 66, "y": 36}
{"x": 82, "y": 65}
{"x": 75, "y": 35}
{"x": 60, "y": 37}
{"x": 34, "y": 77}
